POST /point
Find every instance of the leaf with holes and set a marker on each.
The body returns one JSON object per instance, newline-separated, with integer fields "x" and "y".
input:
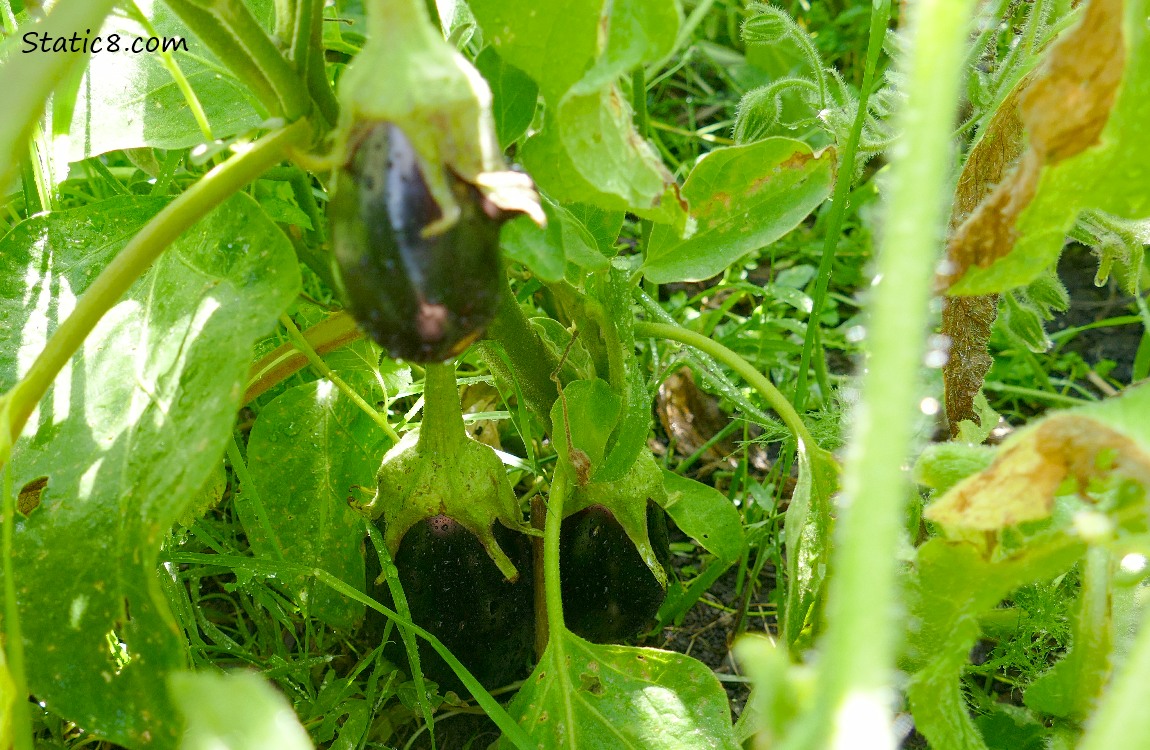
{"x": 582, "y": 695}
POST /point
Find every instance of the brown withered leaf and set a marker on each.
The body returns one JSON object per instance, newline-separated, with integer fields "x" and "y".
{"x": 1021, "y": 483}
{"x": 1063, "y": 106}
{"x": 967, "y": 322}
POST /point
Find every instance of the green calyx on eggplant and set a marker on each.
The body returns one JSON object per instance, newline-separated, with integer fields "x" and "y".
{"x": 441, "y": 472}
{"x": 614, "y": 554}
{"x": 456, "y": 592}
{"x": 422, "y": 284}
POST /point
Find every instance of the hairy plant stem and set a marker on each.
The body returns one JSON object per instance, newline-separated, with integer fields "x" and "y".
{"x": 854, "y": 687}
{"x": 756, "y": 379}
{"x": 560, "y": 486}
{"x": 879, "y": 19}
{"x": 27, "y": 80}
{"x": 136, "y": 257}
{"x": 301, "y": 343}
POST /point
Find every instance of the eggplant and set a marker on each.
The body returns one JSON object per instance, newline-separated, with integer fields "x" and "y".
{"x": 609, "y": 592}
{"x": 421, "y": 287}
{"x": 457, "y": 593}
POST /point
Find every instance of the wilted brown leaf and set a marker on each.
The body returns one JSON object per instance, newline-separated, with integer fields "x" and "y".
{"x": 1021, "y": 483}
{"x": 1062, "y": 107}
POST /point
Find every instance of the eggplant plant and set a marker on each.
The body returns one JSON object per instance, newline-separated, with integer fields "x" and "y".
{"x": 334, "y": 337}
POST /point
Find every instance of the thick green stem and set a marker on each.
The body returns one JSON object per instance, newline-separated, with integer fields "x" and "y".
{"x": 879, "y": 19}
{"x": 855, "y": 685}
{"x": 531, "y": 361}
{"x": 745, "y": 369}
{"x": 27, "y": 80}
{"x": 13, "y": 653}
{"x": 441, "y": 430}
{"x": 236, "y": 37}
{"x": 136, "y": 257}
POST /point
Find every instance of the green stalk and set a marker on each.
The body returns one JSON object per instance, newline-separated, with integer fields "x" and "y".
{"x": 855, "y": 682}
{"x": 236, "y": 37}
{"x": 531, "y": 361}
{"x": 1121, "y": 719}
{"x": 28, "y": 79}
{"x": 552, "y": 583}
{"x": 13, "y": 651}
{"x": 136, "y": 257}
{"x": 441, "y": 430}
{"x": 301, "y": 344}
{"x": 879, "y": 19}
{"x": 773, "y": 396}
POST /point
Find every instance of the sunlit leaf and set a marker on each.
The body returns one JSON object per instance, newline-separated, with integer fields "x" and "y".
{"x": 307, "y": 451}
{"x": 743, "y": 198}
{"x": 582, "y": 695}
{"x": 125, "y": 439}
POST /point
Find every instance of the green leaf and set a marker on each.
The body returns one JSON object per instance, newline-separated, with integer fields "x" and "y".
{"x": 553, "y": 42}
{"x": 514, "y": 96}
{"x": 588, "y": 150}
{"x": 953, "y": 585}
{"x": 592, "y": 410}
{"x": 1070, "y": 689}
{"x": 307, "y": 450}
{"x": 126, "y": 437}
{"x": 583, "y": 695}
{"x": 546, "y": 251}
{"x": 237, "y": 711}
{"x": 808, "y": 540}
{"x": 132, "y": 100}
{"x": 706, "y": 515}
{"x": 743, "y": 198}
{"x": 943, "y": 465}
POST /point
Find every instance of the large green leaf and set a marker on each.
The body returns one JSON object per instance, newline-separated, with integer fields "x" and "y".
{"x": 125, "y": 438}
{"x": 307, "y": 450}
{"x": 743, "y": 198}
{"x": 128, "y": 100}
{"x": 582, "y": 695}
{"x": 553, "y": 42}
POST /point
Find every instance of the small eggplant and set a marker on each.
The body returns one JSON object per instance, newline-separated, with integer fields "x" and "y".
{"x": 614, "y": 554}
{"x": 609, "y": 593}
{"x": 457, "y": 593}
{"x": 422, "y": 286}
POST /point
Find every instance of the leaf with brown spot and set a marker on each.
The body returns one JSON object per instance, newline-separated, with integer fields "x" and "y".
{"x": 1094, "y": 442}
{"x": 742, "y": 198}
